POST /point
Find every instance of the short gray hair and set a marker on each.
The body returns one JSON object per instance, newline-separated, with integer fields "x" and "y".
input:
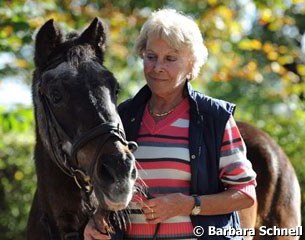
{"x": 179, "y": 31}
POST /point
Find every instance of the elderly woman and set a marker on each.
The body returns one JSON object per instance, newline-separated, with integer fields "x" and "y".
{"x": 191, "y": 157}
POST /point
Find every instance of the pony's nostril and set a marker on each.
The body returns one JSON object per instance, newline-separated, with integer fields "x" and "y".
{"x": 108, "y": 173}
{"x": 134, "y": 173}
{"x": 133, "y": 146}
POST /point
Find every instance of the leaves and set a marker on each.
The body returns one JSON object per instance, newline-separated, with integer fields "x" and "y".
{"x": 17, "y": 179}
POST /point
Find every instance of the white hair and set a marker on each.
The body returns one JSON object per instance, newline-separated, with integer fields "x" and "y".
{"x": 179, "y": 31}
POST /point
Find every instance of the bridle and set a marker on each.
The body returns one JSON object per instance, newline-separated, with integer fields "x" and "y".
{"x": 67, "y": 161}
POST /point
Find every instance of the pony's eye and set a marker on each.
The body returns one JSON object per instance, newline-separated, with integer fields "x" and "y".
{"x": 55, "y": 96}
{"x": 117, "y": 90}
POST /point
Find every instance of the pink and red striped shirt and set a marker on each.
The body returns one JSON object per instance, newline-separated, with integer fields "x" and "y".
{"x": 164, "y": 166}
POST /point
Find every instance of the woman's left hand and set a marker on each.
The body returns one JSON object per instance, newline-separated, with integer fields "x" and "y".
{"x": 164, "y": 207}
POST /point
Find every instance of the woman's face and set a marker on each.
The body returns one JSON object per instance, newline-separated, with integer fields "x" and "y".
{"x": 165, "y": 68}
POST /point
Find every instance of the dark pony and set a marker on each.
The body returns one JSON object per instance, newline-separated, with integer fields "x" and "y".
{"x": 83, "y": 162}
{"x": 278, "y": 190}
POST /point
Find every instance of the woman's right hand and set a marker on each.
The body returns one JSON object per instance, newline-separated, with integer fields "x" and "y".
{"x": 91, "y": 233}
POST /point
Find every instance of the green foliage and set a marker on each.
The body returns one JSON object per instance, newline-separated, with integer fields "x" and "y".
{"x": 261, "y": 68}
{"x": 17, "y": 179}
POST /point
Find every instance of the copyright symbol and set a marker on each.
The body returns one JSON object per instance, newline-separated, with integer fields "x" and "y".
{"x": 198, "y": 231}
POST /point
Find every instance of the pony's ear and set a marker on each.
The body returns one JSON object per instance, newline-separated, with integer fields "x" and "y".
{"x": 95, "y": 35}
{"x": 48, "y": 38}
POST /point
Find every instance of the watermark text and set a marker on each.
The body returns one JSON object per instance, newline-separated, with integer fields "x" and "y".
{"x": 262, "y": 231}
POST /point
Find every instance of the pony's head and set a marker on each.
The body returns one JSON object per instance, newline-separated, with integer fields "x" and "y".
{"x": 77, "y": 121}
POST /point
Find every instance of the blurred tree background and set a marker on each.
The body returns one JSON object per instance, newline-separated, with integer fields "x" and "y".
{"x": 256, "y": 59}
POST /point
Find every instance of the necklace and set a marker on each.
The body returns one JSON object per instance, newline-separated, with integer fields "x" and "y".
{"x": 160, "y": 114}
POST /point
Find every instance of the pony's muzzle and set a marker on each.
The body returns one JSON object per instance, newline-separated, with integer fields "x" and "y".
{"x": 114, "y": 179}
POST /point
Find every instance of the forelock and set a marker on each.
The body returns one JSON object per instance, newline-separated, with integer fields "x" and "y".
{"x": 80, "y": 53}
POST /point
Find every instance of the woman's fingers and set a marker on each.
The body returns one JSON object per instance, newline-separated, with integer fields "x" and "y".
{"x": 95, "y": 235}
{"x": 100, "y": 236}
{"x": 91, "y": 233}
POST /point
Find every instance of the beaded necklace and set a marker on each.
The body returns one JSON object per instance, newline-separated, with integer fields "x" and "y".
{"x": 160, "y": 114}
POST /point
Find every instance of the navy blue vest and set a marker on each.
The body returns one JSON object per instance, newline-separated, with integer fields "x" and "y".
{"x": 208, "y": 118}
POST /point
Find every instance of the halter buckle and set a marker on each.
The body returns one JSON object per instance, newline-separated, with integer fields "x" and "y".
{"x": 87, "y": 186}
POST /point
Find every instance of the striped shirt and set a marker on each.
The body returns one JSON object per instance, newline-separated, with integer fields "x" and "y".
{"x": 164, "y": 167}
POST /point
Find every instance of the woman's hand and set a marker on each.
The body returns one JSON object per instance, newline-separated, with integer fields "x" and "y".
{"x": 164, "y": 207}
{"x": 91, "y": 233}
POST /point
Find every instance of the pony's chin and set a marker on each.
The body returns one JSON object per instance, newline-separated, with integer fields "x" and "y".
{"x": 110, "y": 199}
{"x": 115, "y": 206}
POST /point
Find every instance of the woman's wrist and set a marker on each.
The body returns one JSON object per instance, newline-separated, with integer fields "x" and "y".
{"x": 187, "y": 205}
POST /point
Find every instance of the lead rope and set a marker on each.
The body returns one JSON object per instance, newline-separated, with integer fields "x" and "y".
{"x": 156, "y": 231}
{"x": 155, "y": 236}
